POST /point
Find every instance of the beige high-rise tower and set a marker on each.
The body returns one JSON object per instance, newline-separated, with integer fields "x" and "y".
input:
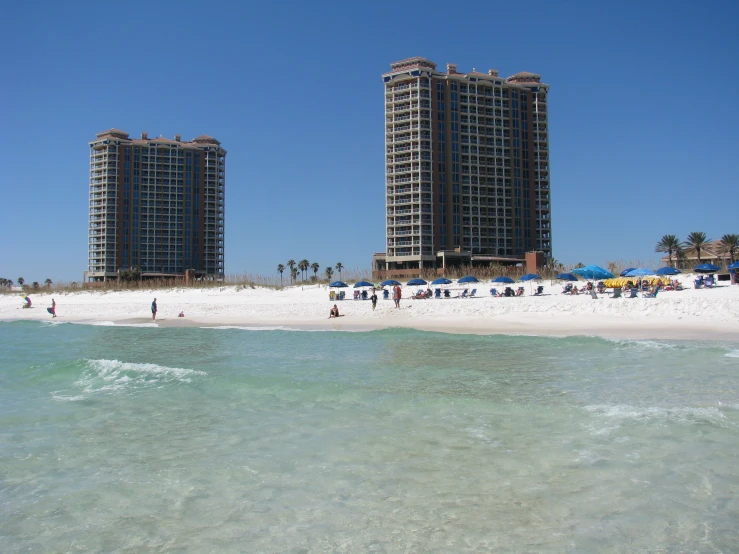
{"x": 467, "y": 165}
{"x": 156, "y": 204}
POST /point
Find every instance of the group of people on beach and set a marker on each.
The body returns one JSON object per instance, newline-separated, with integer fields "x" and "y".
{"x": 155, "y": 309}
{"x": 397, "y": 294}
{"x": 52, "y": 310}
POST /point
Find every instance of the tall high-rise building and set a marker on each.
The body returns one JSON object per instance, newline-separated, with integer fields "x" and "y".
{"x": 467, "y": 165}
{"x": 156, "y": 204}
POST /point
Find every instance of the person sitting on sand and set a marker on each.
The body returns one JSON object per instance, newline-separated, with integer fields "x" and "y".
{"x": 574, "y": 290}
{"x": 334, "y": 312}
{"x": 182, "y": 314}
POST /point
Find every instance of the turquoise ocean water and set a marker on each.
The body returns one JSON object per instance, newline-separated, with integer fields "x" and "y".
{"x": 124, "y": 439}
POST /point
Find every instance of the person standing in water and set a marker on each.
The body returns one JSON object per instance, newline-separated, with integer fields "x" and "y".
{"x": 154, "y": 310}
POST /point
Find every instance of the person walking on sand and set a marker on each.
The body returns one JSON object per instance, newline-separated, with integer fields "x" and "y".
{"x": 397, "y": 296}
{"x": 154, "y": 310}
{"x": 53, "y": 308}
{"x": 373, "y": 298}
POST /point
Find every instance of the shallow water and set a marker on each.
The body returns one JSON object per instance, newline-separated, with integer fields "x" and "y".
{"x": 229, "y": 440}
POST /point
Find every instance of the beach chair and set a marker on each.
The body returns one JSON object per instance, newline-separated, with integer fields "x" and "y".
{"x": 464, "y": 293}
{"x": 447, "y": 294}
{"x": 342, "y": 295}
{"x": 332, "y": 295}
{"x": 567, "y": 289}
{"x": 386, "y": 295}
{"x": 519, "y": 292}
{"x": 698, "y": 283}
{"x": 539, "y": 290}
{"x": 634, "y": 292}
{"x": 650, "y": 294}
{"x": 437, "y": 293}
{"x": 493, "y": 292}
{"x": 474, "y": 291}
{"x": 356, "y": 295}
{"x": 616, "y": 293}
{"x": 364, "y": 295}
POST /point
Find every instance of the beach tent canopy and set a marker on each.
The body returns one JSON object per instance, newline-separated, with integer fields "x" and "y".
{"x": 735, "y": 265}
{"x": 414, "y": 282}
{"x": 338, "y": 284}
{"x": 625, "y": 271}
{"x": 667, "y": 271}
{"x": 390, "y": 283}
{"x": 592, "y": 272}
{"x": 639, "y": 272}
{"x": 468, "y": 279}
{"x": 566, "y": 277}
{"x": 706, "y": 268}
{"x": 503, "y": 279}
{"x": 530, "y": 277}
{"x": 441, "y": 281}
{"x": 363, "y": 284}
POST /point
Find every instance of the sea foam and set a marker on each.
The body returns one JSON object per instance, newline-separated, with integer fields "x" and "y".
{"x": 114, "y": 376}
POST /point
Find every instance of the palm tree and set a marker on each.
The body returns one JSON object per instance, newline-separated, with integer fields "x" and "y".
{"x": 35, "y": 284}
{"x": 669, "y": 244}
{"x": 339, "y": 267}
{"x": 303, "y": 265}
{"x": 329, "y": 273}
{"x": 48, "y": 283}
{"x": 697, "y": 240}
{"x": 730, "y": 244}
{"x": 280, "y": 268}
{"x": 21, "y": 280}
{"x": 293, "y": 273}
{"x": 314, "y": 266}
{"x": 291, "y": 265}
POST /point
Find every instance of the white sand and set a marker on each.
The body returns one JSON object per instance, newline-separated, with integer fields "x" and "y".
{"x": 688, "y": 314}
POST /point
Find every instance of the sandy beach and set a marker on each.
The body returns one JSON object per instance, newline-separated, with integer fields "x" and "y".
{"x": 711, "y": 314}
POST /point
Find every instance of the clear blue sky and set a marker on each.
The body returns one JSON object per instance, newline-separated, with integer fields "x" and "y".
{"x": 644, "y": 116}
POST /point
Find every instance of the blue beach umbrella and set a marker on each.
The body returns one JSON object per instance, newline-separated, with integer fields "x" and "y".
{"x": 735, "y": 265}
{"x": 338, "y": 284}
{"x": 468, "y": 279}
{"x": 503, "y": 279}
{"x": 639, "y": 272}
{"x": 363, "y": 284}
{"x": 706, "y": 268}
{"x": 441, "y": 281}
{"x": 566, "y": 277}
{"x": 667, "y": 271}
{"x": 625, "y": 271}
{"x": 390, "y": 283}
{"x": 592, "y": 272}
{"x": 414, "y": 282}
{"x": 530, "y": 277}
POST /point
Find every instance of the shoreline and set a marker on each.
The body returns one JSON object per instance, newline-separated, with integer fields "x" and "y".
{"x": 559, "y": 327}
